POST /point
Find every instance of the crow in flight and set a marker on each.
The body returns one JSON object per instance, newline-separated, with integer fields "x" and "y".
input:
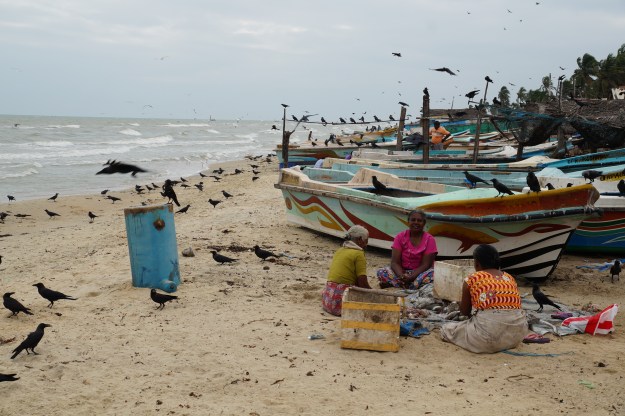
{"x": 31, "y": 341}
{"x": 51, "y": 295}
{"x": 397, "y": 54}
{"x": 161, "y": 298}
{"x": 444, "y": 69}
{"x": 119, "y": 167}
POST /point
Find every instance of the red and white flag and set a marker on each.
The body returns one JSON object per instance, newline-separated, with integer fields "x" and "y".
{"x": 601, "y": 323}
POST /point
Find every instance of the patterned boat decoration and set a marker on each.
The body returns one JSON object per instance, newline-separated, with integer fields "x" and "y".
{"x": 529, "y": 230}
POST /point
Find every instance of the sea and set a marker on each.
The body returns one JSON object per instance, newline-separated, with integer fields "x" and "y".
{"x": 42, "y": 155}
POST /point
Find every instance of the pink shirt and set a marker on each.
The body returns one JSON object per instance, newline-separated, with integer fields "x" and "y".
{"x": 411, "y": 256}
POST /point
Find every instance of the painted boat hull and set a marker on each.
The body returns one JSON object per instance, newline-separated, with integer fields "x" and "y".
{"x": 530, "y": 232}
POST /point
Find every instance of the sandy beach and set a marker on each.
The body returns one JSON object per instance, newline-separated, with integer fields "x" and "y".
{"x": 236, "y": 341}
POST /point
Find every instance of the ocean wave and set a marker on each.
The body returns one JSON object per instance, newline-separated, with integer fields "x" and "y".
{"x": 144, "y": 141}
{"x": 130, "y": 132}
{"x": 65, "y": 126}
{"x": 66, "y": 153}
{"x": 21, "y": 174}
{"x": 61, "y": 143}
{"x": 213, "y": 131}
{"x": 186, "y": 125}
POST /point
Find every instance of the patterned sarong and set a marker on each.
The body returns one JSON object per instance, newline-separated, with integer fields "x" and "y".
{"x": 332, "y": 297}
{"x": 387, "y": 275}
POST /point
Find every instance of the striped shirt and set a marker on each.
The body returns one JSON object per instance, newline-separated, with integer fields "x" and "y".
{"x": 493, "y": 292}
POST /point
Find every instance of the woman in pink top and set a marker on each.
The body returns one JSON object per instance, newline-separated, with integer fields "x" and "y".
{"x": 412, "y": 261}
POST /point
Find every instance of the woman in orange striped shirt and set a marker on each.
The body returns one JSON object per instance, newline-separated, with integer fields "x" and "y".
{"x": 498, "y": 322}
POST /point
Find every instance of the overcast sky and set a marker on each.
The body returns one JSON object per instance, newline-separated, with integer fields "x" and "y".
{"x": 242, "y": 59}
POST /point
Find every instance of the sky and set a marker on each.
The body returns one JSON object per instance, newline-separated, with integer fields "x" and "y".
{"x": 238, "y": 59}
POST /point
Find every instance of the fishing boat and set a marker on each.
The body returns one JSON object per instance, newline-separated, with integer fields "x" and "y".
{"x": 529, "y": 230}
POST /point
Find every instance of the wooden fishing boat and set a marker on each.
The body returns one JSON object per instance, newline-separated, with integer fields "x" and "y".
{"x": 529, "y": 230}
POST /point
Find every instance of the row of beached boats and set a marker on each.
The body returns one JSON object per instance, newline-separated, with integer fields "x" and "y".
{"x": 530, "y": 229}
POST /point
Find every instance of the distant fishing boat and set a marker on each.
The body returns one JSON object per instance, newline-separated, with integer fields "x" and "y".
{"x": 529, "y": 230}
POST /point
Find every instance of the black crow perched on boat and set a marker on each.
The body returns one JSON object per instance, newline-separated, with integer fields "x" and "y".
{"x": 474, "y": 179}
{"x": 161, "y": 298}
{"x": 501, "y": 188}
{"x": 323, "y": 120}
{"x": 615, "y": 270}
{"x": 119, "y": 167}
{"x": 542, "y": 299}
{"x": 549, "y": 186}
{"x": 376, "y": 119}
{"x": 532, "y": 182}
{"x": 342, "y": 120}
{"x": 14, "y": 305}
{"x": 352, "y": 120}
{"x": 591, "y": 175}
{"x": 390, "y": 117}
{"x": 621, "y": 187}
{"x": 496, "y": 101}
{"x": 31, "y": 341}
{"x": 221, "y": 258}
{"x": 379, "y": 186}
{"x": 444, "y": 69}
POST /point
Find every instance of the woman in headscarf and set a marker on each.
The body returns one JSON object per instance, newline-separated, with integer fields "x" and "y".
{"x": 348, "y": 268}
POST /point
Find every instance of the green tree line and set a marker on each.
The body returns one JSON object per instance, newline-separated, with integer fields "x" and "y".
{"x": 591, "y": 79}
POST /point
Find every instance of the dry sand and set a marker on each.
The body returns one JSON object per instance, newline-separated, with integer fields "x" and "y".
{"x": 236, "y": 342}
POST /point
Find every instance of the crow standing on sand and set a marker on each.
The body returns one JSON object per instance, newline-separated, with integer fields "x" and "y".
{"x": 213, "y": 202}
{"x": 615, "y": 270}
{"x": 119, "y": 167}
{"x": 501, "y": 188}
{"x": 14, "y": 305}
{"x": 263, "y": 254}
{"x": 183, "y": 210}
{"x": 54, "y": 197}
{"x": 542, "y": 299}
{"x": 168, "y": 191}
{"x": 222, "y": 259}
{"x": 31, "y": 341}
{"x": 161, "y": 298}
{"x": 11, "y": 198}
{"x": 51, "y": 214}
{"x": 92, "y": 216}
{"x": 474, "y": 179}
{"x": 51, "y": 295}
{"x": 226, "y": 194}
{"x": 8, "y": 377}
{"x": 113, "y": 198}
{"x": 532, "y": 182}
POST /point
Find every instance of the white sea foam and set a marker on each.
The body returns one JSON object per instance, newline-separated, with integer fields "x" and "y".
{"x": 144, "y": 141}
{"x": 213, "y": 131}
{"x": 20, "y": 174}
{"x": 130, "y": 132}
{"x": 66, "y": 126}
{"x": 186, "y": 125}
{"x": 61, "y": 143}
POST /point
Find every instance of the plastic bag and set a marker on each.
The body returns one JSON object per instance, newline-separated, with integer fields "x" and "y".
{"x": 601, "y": 323}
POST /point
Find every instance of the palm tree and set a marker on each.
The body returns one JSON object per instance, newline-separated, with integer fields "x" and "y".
{"x": 521, "y": 96}
{"x": 586, "y": 74}
{"x": 504, "y": 96}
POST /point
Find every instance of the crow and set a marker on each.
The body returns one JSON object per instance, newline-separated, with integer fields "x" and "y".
{"x": 14, "y": 305}
{"x": 379, "y": 186}
{"x": 496, "y": 101}
{"x": 471, "y": 94}
{"x": 51, "y": 295}
{"x": 397, "y": 54}
{"x": 615, "y": 270}
{"x": 403, "y": 104}
{"x": 390, "y": 117}
{"x": 8, "y": 377}
{"x": 263, "y": 254}
{"x": 549, "y": 186}
{"x": 237, "y": 171}
{"x": 474, "y": 179}
{"x": 119, "y": 167}
{"x": 340, "y": 143}
{"x": 591, "y": 175}
{"x": 11, "y": 198}
{"x": 168, "y": 191}
{"x": 213, "y": 202}
{"x": 284, "y": 105}
{"x": 621, "y": 187}
{"x": 218, "y": 171}
{"x": 426, "y": 92}
{"x": 542, "y": 299}
{"x": 226, "y": 194}
{"x": 501, "y": 188}
{"x": 161, "y": 298}
{"x": 54, "y": 197}
{"x": 104, "y": 192}
{"x": 487, "y": 79}
{"x": 183, "y": 210}
{"x": 202, "y": 175}
{"x": 342, "y": 120}
{"x": 31, "y": 341}
{"x": 51, "y": 214}
{"x": 376, "y": 119}
{"x": 352, "y": 120}
{"x": 113, "y": 198}
{"x": 444, "y": 69}
{"x": 92, "y": 216}
{"x": 254, "y": 178}
{"x": 217, "y": 178}
{"x": 568, "y": 185}
{"x": 294, "y": 118}
{"x": 323, "y": 120}
{"x": 183, "y": 179}
{"x": 532, "y": 182}
{"x": 199, "y": 186}
{"x": 222, "y": 259}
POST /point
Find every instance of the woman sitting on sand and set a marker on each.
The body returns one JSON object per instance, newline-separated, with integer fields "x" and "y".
{"x": 348, "y": 268}
{"x": 499, "y": 323}
{"x": 412, "y": 259}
